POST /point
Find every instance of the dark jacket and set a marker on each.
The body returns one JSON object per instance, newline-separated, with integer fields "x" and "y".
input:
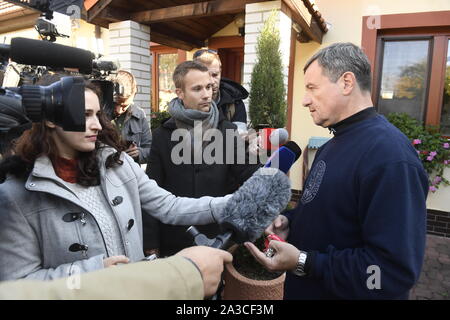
{"x": 188, "y": 180}
{"x": 362, "y": 216}
{"x": 230, "y": 104}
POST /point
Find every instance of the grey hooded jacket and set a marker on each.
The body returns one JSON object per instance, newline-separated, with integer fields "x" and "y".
{"x": 41, "y": 220}
{"x": 136, "y": 128}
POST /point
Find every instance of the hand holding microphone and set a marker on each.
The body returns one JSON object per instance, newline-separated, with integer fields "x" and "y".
{"x": 279, "y": 227}
{"x": 256, "y": 203}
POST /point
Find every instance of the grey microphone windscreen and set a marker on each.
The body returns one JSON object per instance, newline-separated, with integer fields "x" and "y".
{"x": 254, "y": 206}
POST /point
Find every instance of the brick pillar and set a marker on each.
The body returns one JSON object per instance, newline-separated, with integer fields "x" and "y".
{"x": 129, "y": 43}
{"x": 255, "y": 15}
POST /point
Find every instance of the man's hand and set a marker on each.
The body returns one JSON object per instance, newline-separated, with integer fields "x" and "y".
{"x": 279, "y": 226}
{"x": 254, "y": 142}
{"x": 133, "y": 151}
{"x": 114, "y": 260}
{"x": 149, "y": 252}
{"x": 210, "y": 262}
{"x": 284, "y": 259}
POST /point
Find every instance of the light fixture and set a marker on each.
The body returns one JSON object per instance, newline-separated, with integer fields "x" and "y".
{"x": 240, "y": 23}
{"x": 296, "y": 27}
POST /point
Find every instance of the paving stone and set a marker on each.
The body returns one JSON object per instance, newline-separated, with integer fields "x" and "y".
{"x": 434, "y": 281}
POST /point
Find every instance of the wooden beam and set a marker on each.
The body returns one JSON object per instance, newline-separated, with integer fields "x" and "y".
{"x": 226, "y": 42}
{"x": 89, "y": 4}
{"x": 97, "y": 8}
{"x": 176, "y": 35}
{"x": 290, "y": 9}
{"x": 114, "y": 15}
{"x": 290, "y": 87}
{"x": 18, "y": 23}
{"x": 192, "y": 10}
{"x": 171, "y": 41}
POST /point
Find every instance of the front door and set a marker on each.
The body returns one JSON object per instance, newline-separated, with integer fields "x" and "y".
{"x": 232, "y": 63}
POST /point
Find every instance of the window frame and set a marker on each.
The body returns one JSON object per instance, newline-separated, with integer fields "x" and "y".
{"x": 156, "y": 50}
{"x": 381, "y": 40}
{"x": 435, "y": 24}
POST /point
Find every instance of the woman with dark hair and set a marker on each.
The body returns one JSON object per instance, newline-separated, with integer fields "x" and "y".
{"x": 71, "y": 201}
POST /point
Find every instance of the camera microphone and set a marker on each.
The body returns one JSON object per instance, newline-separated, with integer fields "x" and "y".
{"x": 44, "y": 53}
{"x": 104, "y": 65}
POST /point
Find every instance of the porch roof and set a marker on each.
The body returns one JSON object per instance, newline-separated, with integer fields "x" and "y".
{"x": 186, "y": 24}
{"x": 14, "y": 17}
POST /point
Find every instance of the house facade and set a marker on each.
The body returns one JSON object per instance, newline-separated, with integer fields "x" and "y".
{"x": 150, "y": 37}
{"x": 396, "y": 35}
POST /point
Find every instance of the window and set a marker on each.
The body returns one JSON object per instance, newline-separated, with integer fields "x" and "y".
{"x": 404, "y": 77}
{"x": 164, "y": 62}
{"x": 445, "y": 114}
{"x": 410, "y": 61}
{"x": 167, "y": 63}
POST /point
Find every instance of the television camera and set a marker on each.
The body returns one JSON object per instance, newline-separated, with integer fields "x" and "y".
{"x": 61, "y": 102}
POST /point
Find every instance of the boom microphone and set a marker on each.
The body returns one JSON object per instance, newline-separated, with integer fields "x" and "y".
{"x": 44, "y": 53}
{"x": 284, "y": 157}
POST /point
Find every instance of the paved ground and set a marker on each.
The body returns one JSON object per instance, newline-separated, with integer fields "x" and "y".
{"x": 434, "y": 282}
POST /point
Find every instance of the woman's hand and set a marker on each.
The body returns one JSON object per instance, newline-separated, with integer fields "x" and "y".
{"x": 114, "y": 260}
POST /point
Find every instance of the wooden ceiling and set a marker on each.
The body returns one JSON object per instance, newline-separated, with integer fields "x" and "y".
{"x": 184, "y": 24}
{"x": 14, "y": 17}
{"x": 187, "y": 24}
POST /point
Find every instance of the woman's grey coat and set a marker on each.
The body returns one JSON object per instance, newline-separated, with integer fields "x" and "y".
{"x": 40, "y": 220}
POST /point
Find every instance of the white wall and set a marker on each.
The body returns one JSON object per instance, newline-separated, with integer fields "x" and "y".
{"x": 255, "y": 16}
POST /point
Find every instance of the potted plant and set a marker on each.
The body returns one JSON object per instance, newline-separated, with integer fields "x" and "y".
{"x": 267, "y": 99}
{"x": 433, "y": 149}
{"x": 157, "y": 118}
{"x": 246, "y": 279}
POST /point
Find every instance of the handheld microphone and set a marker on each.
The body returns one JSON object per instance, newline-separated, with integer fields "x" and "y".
{"x": 284, "y": 157}
{"x": 44, "y": 53}
{"x": 278, "y": 137}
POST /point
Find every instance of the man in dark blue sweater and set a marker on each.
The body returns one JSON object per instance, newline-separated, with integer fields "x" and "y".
{"x": 358, "y": 232}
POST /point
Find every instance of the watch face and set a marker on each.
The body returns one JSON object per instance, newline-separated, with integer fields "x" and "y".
{"x": 302, "y": 258}
{"x": 300, "y": 269}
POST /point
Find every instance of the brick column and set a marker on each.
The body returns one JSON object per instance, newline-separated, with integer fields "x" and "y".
{"x": 129, "y": 43}
{"x": 255, "y": 15}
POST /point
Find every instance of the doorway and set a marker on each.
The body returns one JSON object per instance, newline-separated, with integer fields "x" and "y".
{"x": 232, "y": 63}
{"x": 231, "y": 53}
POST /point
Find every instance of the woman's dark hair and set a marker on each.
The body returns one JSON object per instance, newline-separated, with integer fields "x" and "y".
{"x": 38, "y": 141}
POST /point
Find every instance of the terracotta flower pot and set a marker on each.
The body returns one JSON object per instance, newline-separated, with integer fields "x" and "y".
{"x": 239, "y": 287}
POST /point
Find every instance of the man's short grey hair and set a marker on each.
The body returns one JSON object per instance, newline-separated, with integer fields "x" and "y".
{"x": 339, "y": 58}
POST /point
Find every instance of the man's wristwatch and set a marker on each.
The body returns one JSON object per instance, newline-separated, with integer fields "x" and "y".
{"x": 300, "y": 267}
